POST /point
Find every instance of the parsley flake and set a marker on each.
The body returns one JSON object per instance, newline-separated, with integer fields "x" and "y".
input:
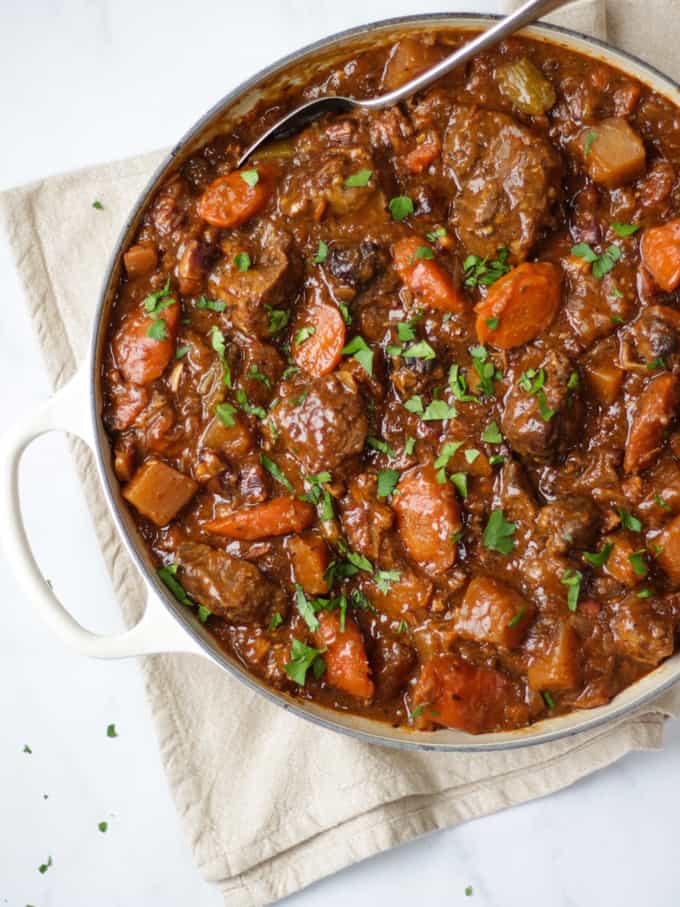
{"x": 387, "y": 482}
{"x": 360, "y": 350}
{"x": 321, "y": 253}
{"x": 599, "y": 558}
{"x": 400, "y": 207}
{"x": 499, "y": 532}
{"x": 302, "y": 658}
{"x": 360, "y": 178}
{"x": 484, "y": 271}
{"x": 251, "y": 177}
{"x": 242, "y": 261}
{"x": 275, "y": 472}
{"x": 572, "y": 579}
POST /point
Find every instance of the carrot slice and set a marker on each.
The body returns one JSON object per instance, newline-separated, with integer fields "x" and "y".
{"x": 654, "y": 411}
{"x": 276, "y": 517}
{"x": 310, "y": 558}
{"x": 519, "y": 306}
{"x": 423, "y": 155}
{"x": 660, "y": 250}
{"x": 140, "y": 357}
{"x": 427, "y": 518}
{"x": 231, "y": 200}
{"x": 319, "y": 351}
{"x": 429, "y": 282}
{"x": 347, "y": 666}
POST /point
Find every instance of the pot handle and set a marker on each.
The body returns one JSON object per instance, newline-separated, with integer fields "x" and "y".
{"x": 157, "y": 631}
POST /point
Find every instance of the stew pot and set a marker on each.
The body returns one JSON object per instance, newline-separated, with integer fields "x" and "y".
{"x": 168, "y": 626}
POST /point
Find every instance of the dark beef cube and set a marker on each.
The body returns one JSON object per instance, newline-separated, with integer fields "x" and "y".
{"x": 355, "y": 266}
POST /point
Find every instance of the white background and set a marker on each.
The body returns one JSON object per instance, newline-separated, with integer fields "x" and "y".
{"x": 84, "y": 81}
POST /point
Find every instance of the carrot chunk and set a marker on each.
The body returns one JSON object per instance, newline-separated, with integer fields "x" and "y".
{"x": 492, "y": 612}
{"x": 310, "y": 561}
{"x": 233, "y": 199}
{"x": 653, "y": 413}
{"x": 321, "y": 333}
{"x": 428, "y": 518}
{"x": 429, "y": 282}
{"x": 669, "y": 556}
{"x": 423, "y": 155}
{"x": 159, "y": 492}
{"x": 276, "y": 517}
{"x": 347, "y": 666}
{"x": 456, "y": 694}
{"x": 557, "y": 668}
{"x": 519, "y": 306}
{"x": 141, "y": 356}
{"x": 660, "y": 250}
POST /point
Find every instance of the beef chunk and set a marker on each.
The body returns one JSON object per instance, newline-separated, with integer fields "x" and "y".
{"x": 493, "y": 612}
{"x": 535, "y": 419}
{"x": 269, "y": 282}
{"x": 230, "y": 587}
{"x": 391, "y": 656}
{"x": 325, "y": 427}
{"x": 364, "y": 519}
{"x": 355, "y": 266}
{"x": 639, "y": 632}
{"x": 508, "y": 178}
{"x": 569, "y": 522}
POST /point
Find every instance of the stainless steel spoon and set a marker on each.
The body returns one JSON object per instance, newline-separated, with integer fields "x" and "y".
{"x": 302, "y": 116}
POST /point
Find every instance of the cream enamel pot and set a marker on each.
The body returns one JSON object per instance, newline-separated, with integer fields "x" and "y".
{"x": 166, "y": 625}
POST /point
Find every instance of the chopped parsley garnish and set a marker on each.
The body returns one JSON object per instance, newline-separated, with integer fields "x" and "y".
{"x": 103, "y": 827}
{"x": 218, "y": 344}
{"x": 27, "y": 749}
{"x": 321, "y": 253}
{"x": 409, "y": 446}
{"x": 438, "y": 409}
{"x": 459, "y": 480}
{"x": 42, "y": 869}
{"x": 400, "y": 207}
{"x": 157, "y": 330}
{"x": 402, "y": 626}
{"x": 499, "y": 532}
{"x": 320, "y": 496}
{"x": 304, "y": 334}
{"x": 275, "y": 472}
{"x": 602, "y": 264}
{"x": 358, "y": 560}
{"x": 156, "y": 302}
{"x": 496, "y": 460}
{"x": 644, "y": 593}
{"x": 637, "y": 562}
{"x": 360, "y": 350}
{"x": 248, "y": 407}
{"x": 111, "y": 731}
{"x": 242, "y": 261}
{"x": 405, "y": 330}
{"x": 599, "y": 558}
{"x": 468, "y": 891}
{"x": 360, "y": 178}
{"x": 251, "y": 177}
{"x": 98, "y": 205}
{"x": 517, "y": 618}
{"x": 658, "y": 363}
{"x": 423, "y": 253}
{"x": 181, "y": 352}
{"x": 532, "y": 382}
{"x": 471, "y": 455}
{"x": 485, "y": 369}
{"x": 420, "y": 350}
{"x": 305, "y": 609}
{"x": 572, "y": 579}
{"x": 547, "y": 698}
{"x": 302, "y": 658}
{"x": 255, "y": 373}
{"x": 225, "y": 413}
{"x": 492, "y": 323}
{"x": 659, "y": 501}
{"x": 385, "y": 578}
{"x": 485, "y": 271}
{"x": 434, "y": 235}
{"x": 492, "y": 434}
{"x": 381, "y": 446}
{"x": 214, "y": 305}
{"x": 278, "y": 319}
{"x": 458, "y": 385}
{"x": 168, "y": 575}
{"x": 387, "y": 482}
{"x": 590, "y": 138}
{"x": 624, "y": 230}
{"x": 442, "y": 461}
{"x": 275, "y": 622}
{"x": 628, "y": 521}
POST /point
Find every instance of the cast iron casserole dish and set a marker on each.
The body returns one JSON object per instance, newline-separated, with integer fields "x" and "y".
{"x": 182, "y": 632}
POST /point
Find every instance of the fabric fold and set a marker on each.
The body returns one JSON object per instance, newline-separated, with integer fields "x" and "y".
{"x": 270, "y": 803}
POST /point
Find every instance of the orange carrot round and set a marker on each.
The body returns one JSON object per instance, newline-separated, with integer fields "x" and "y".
{"x": 429, "y": 282}
{"x": 660, "y": 250}
{"x": 231, "y": 200}
{"x": 140, "y": 357}
{"x": 276, "y": 517}
{"x": 519, "y": 306}
{"x": 319, "y": 352}
{"x": 347, "y": 666}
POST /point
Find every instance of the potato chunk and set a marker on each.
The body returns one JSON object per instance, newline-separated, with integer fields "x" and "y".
{"x": 159, "y": 492}
{"x": 669, "y": 543}
{"x": 613, "y": 153}
{"x": 557, "y": 668}
{"x": 493, "y": 612}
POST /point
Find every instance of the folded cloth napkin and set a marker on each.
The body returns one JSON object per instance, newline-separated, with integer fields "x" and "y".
{"x": 271, "y": 803}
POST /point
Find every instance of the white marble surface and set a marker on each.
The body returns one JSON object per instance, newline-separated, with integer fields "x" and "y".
{"x": 83, "y": 81}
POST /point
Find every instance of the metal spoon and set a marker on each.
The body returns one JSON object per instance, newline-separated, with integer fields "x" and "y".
{"x": 302, "y": 116}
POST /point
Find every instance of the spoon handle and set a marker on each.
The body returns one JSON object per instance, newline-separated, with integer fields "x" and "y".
{"x": 525, "y": 15}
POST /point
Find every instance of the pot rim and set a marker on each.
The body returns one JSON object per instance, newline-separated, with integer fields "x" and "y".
{"x": 368, "y": 730}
